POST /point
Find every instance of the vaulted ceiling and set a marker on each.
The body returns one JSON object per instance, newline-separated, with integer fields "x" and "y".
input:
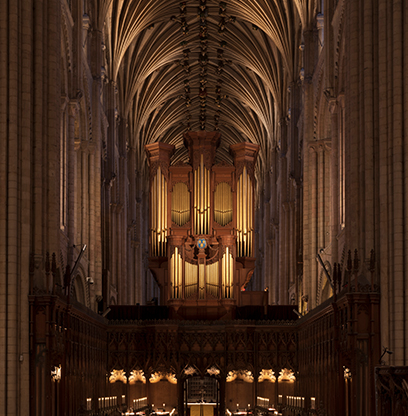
{"x": 204, "y": 65}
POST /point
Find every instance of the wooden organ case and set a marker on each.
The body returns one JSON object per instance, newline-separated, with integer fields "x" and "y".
{"x": 201, "y": 226}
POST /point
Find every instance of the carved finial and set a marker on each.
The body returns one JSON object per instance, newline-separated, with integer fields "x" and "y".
{"x": 54, "y": 264}
{"x": 339, "y": 276}
{"x": 47, "y": 263}
{"x": 356, "y": 260}
{"x": 67, "y": 279}
{"x": 335, "y": 278}
{"x": 32, "y": 264}
{"x": 372, "y": 268}
{"x": 349, "y": 262}
{"x": 372, "y": 261}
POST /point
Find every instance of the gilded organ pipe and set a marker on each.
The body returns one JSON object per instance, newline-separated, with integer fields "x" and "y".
{"x": 212, "y": 279}
{"x": 227, "y": 273}
{"x": 159, "y": 214}
{"x": 201, "y": 280}
{"x": 190, "y": 279}
{"x": 180, "y": 208}
{"x": 223, "y": 204}
{"x": 244, "y": 214}
{"x": 201, "y": 199}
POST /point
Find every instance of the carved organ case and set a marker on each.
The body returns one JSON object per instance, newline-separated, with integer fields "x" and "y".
{"x": 201, "y": 225}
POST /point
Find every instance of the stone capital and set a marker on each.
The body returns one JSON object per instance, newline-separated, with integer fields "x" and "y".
{"x": 64, "y": 102}
{"x": 333, "y": 105}
{"x": 73, "y": 108}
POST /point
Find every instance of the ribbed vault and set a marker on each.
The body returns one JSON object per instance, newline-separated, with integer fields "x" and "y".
{"x": 203, "y": 65}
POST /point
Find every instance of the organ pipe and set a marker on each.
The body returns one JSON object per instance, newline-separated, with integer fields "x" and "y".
{"x": 201, "y": 199}
{"x": 244, "y": 215}
{"x": 191, "y": 274}
{"x": 180, "y": 204}
{"x": 223, "y": 204}
{"x": 176, "y": 274}
{"x": 227, "y": 270}
{"x": 201, "y": 280}
{"x": 212, "y": 278}
{"x": 159, "y": 214}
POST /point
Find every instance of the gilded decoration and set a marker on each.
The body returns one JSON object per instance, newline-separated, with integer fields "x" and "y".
{"x": 266, "y": 375}
{"x": 156, "y": 377}
{"x": 118, "y": 375}
{"x": 137, "y": 375}
{"x": 286, "y": 375}
{"x": 56, "y": 373}
{"x": 213, "y": 371}
{"x": 245, "y": 375}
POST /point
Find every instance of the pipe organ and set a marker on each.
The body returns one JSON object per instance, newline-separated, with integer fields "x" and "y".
{"x": 201, "y": 223}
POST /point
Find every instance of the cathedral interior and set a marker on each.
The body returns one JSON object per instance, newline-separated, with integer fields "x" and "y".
{"x": 204, "y": 207}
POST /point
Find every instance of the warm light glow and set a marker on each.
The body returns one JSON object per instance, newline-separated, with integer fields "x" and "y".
{"x": 189, "y": 371}
{"x": 137, "y": 375}
{"x": 118, "y": 375}
{"x": 139, "y": 403}
{"x": 262, "y": 402}
{"x": 245, "y": 375}
{"x": 213, "y": 371}
{"x": 266, "y": 375}
{"x": 156, "y": 377}
{"x": 286, "y": 375}
{"x": 56, "y": 373}
{"x": 347, "y": 374}
{"x": 313, "y": 403}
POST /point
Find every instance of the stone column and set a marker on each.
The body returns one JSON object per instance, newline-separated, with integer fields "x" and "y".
{"x": 72, "y": 110}
{"x": 310, "y": 227}
{"x": 222, "y": 381}
{"x": 334, "y": 181}
{"x": 180, "y": 395}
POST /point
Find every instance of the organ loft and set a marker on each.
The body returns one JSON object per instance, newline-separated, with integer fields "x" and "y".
{"x": 202, "y": 227}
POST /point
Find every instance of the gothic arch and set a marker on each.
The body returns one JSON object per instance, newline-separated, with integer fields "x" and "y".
{"x": 79, "y": 289}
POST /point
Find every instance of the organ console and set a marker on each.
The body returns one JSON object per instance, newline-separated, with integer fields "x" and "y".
{"x": 201, "y": 227}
